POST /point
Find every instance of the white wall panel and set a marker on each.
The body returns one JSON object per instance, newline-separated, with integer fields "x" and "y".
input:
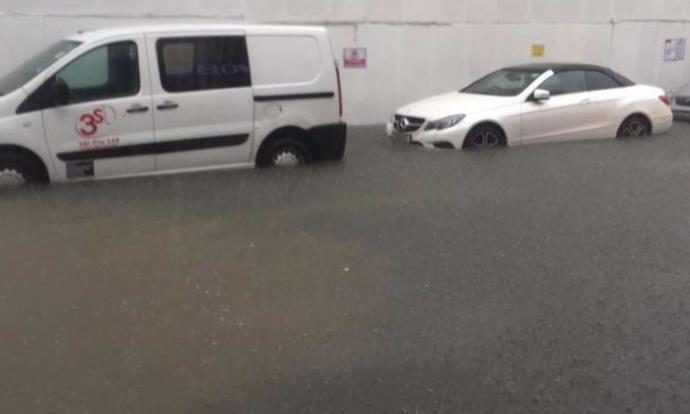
{"x": 555, "y": 12}
{"x": 416, "y": 48}
{"x": 350, "y": 10}
{"x": 452, "y": 10}
{"x": 481, "y": 11}
{"x": 597, "y": 11}
{"x": 19, "y": 48}
{"x": 676, "y": 8}
{"x": 514, "y": 11}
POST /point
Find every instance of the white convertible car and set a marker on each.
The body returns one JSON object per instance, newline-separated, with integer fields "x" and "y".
{"x": 535, "y": 103}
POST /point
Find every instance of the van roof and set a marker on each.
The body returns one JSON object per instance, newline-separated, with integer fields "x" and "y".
{"x": 88, "y": 35}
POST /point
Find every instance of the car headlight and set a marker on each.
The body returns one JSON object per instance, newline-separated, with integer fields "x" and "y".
{"x": 445, "y": 123}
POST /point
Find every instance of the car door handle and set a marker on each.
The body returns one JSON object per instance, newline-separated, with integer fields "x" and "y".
{"x": 138, "y": 109}
{"x": 167, "y": 106}
{"x": 586, "y": 101}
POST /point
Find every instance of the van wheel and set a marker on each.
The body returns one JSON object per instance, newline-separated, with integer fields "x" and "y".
{"x": 285, "y": 154}
{"x": 18, "y": 171}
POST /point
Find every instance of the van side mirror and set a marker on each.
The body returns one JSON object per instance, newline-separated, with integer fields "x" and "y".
{"x": 60, "y": 92}
{"x": 541, "y": 95}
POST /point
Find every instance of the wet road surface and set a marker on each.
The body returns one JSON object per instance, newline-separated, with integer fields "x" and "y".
{"x": 542, "y": 279}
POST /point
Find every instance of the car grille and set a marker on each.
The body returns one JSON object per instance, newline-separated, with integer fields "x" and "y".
{"x": 683, "y": 101}
{"x": 403, "y": 123}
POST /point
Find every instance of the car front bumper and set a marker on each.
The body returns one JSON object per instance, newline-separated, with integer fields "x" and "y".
{"x": 451, "y": 138}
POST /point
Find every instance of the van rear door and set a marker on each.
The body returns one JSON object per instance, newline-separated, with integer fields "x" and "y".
{"x": 296, "y": 85}
{"x": 202, "y": 99}
{"x": 296, "y": 73}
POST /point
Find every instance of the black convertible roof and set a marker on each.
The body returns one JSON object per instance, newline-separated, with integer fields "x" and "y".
{"x": 562, "y": 67}
{"x": 559, "y": 67}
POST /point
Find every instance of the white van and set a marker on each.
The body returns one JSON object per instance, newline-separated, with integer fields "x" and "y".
{"x": 164, "y": 99}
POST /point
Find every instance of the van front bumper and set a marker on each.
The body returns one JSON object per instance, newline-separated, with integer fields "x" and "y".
{"x": 327, "y": 142}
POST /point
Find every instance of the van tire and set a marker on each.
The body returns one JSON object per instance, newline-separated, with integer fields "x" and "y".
{"x": 17, "y": 170}
{"x": 284, "y": 153}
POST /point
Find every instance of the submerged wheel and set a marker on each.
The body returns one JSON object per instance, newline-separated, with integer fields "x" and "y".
{"x": 484, "y": 137}
{"x": 19, "y": 171}
{"x": 285, "y": 154}
{"x": 635, "y": 126}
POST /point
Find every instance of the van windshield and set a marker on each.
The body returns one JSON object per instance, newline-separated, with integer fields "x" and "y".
{"x": 34, "y": 66}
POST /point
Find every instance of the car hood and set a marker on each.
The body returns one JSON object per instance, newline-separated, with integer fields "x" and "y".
{"x": 454, "y": 103}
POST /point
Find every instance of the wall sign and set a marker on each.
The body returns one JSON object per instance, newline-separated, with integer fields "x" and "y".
{"x": 355, "y": 57}
{"x": 674, "y": 50}
{"x": 538, "y": 50}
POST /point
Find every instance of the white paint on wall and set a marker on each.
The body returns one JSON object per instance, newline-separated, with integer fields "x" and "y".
{"x": 415, "y": 48}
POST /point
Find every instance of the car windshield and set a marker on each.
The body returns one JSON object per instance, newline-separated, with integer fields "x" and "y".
{"x": 34, "y": 66}
{"x": 505, "y": 82}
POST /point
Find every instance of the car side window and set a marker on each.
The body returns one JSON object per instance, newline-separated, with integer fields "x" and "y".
{"x": 563, "y": 83}
{"x": 203, "y": 63}
{"x": 597, "y": 81}
{"x": 107, "y": 72}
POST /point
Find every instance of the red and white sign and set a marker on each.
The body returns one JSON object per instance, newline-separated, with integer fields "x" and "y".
{"x": 89, "y": 124}
{"x": 96, "y": 128}
{"x": 355, "y": 58}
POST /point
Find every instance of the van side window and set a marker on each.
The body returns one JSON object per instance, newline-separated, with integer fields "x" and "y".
{"x": 106, "y": 72}
{"x": 299, "y": 57}
{"x": 202, "y": 63}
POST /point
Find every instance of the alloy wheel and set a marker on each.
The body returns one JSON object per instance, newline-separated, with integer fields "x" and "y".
{"x": 485, "y": 138}
{"x": 635, "y": 128}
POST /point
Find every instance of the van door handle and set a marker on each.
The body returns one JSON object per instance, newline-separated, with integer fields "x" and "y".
{"x": 137, "y": 109}
{"x": 167, "y": 106}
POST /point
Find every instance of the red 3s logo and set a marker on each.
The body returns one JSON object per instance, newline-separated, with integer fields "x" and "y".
{"x": 89, "y": 123}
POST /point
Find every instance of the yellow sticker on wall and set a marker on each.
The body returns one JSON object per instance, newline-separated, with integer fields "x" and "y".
{"x": 538, "y": 50}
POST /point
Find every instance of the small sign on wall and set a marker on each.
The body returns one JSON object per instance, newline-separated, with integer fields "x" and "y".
{"x": 355, "y": 57}
{"x": 674, "y": 50}
{"x": 538, "y": 50}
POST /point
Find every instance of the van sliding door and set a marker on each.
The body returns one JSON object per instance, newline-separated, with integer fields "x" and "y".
{"x": 202, "y": 100}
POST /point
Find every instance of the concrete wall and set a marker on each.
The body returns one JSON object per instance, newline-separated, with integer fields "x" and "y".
{"x": 416, "y": 48}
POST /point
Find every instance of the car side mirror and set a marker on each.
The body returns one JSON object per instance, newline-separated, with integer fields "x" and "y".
{"x": 60, "y": 92}
{"x": 541, "y": 95}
